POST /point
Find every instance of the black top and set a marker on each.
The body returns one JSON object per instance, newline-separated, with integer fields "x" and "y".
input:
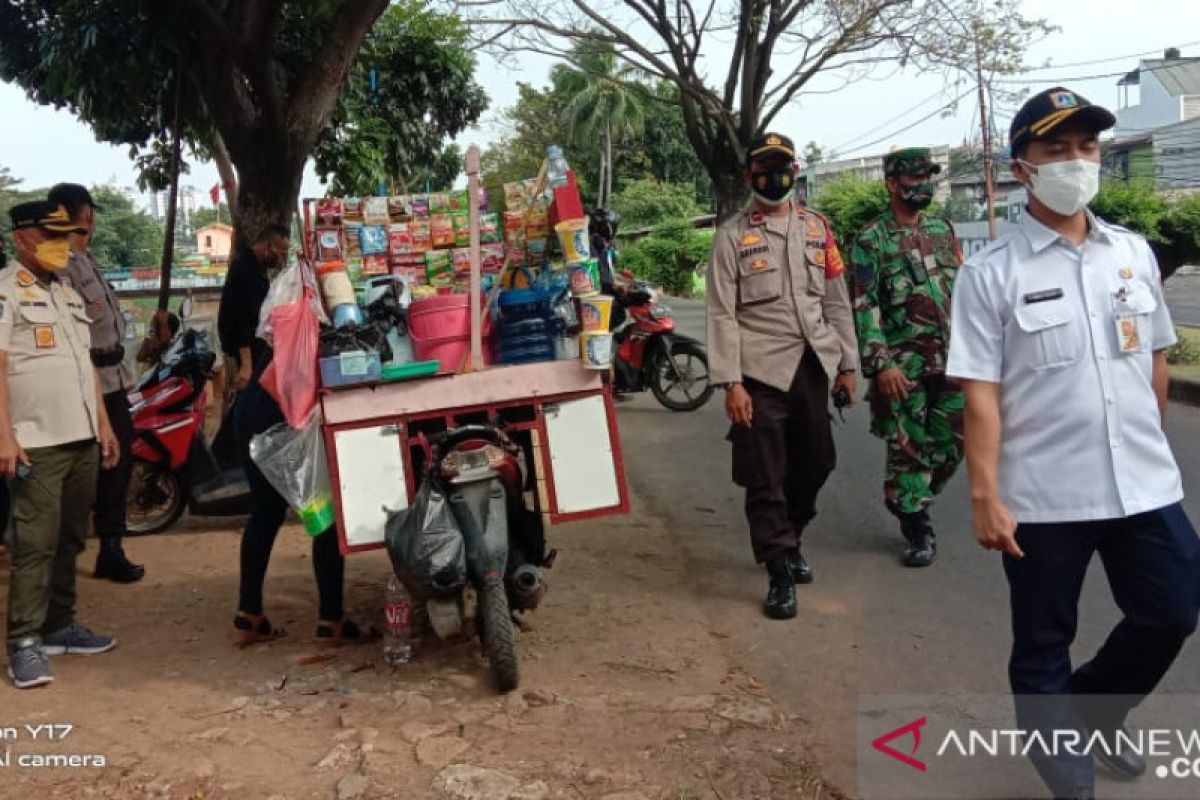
{"x": 245, "y": 289}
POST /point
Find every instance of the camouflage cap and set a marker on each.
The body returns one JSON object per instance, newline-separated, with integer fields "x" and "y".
{"x": 910, "y": 161}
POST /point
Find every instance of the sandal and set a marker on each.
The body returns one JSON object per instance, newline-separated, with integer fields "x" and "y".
{"x": 336, "y": 634}
{"x": 254, "y": 629}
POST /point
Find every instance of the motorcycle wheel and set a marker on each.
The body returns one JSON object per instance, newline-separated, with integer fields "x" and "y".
{"x": 154, "y": 500}
{"x": 499, "y": 640}
{"x": 680, "y": 380}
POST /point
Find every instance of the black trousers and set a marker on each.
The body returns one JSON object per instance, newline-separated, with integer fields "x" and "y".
{"x": 255, "y": 412}
{"x": 111, "y": 486}
{"x": 784, "y": 458}
{"x": 1152, "y": 562}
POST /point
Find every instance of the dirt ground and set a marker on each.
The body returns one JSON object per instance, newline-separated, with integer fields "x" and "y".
{"x": 627, "y": 693}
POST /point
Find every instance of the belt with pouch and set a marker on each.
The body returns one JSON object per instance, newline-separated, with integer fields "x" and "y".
{"x": 107, "y": 356}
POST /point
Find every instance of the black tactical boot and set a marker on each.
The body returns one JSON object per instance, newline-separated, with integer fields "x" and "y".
{"x": 781, "y": 596}
{"x": 922, "y": 543}
{"x": 801, "y": 571}
{"x": 112, "y": 564}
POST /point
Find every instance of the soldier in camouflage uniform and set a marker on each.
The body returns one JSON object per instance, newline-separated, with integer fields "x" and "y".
{"x": 904, "y": 265}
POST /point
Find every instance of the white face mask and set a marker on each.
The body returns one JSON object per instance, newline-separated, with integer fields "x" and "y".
{"x": 1065, "y": 187}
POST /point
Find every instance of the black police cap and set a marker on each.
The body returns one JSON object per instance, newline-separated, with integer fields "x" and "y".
{"x": 770, "y": 144}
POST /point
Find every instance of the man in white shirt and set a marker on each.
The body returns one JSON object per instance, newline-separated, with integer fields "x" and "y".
{"x": 1058, "y": 335}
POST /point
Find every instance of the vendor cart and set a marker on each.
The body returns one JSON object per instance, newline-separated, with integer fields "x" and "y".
{"x": 561, "y": 412}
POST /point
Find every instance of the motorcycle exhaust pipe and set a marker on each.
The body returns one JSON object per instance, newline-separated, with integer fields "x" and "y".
{"x": 527, "y": 587}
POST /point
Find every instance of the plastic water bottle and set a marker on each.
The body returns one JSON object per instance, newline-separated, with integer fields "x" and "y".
{"x": 556, "y": 166}
{"x": 397, "y": 624}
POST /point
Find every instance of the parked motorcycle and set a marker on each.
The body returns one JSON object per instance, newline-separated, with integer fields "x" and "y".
{"x": 652, "y": 355}
{"x": 478, "y": 471}
{"x": 173, "y": 466}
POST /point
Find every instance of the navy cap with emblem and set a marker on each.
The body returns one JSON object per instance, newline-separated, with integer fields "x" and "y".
{"x": 42, "y": 214}
{"x": 1047, "y": 110}
{"x": 770, "y": 144}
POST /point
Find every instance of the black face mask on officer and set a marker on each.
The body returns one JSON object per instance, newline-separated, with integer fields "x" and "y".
{"x": 773, "y": 184}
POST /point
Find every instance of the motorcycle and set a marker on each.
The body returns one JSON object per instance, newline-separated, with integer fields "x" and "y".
{"x": 652, "y": 355}
{"x": 477, "y": 468}
{"x": 173, "y": 467}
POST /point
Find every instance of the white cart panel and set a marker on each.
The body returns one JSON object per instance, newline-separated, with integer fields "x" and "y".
{"x": 581, "y": 456}
{"x": 370, "y": 478}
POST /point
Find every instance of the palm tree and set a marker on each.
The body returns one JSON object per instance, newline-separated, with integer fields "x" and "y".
{"x": 609, "y": 104}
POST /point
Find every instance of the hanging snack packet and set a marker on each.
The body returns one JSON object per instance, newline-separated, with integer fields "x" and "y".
{"x": 420, "y": 206}
{"x": 462, "y": 229}
{"x": 400, "y": 239}
{"x": 400, "y": 208}
{"x": 514, "y": 226}
{"x": 329, "y": 244}
{"x": 353, "y": 232}
{"x": 491, "y": 258}
{"x": 459, "y": 202}
{"x": 537, "y": 224}
{"x": 373, "y": 239}
{"x": 375, "y": 210}
{"x": 460, "y": 257}
{"x": 489, "y": 229}
{"x": 375, "y": 265}
{"x": 352, "y": 209}
{"x": 514, "y": 196}
{"x": 329, "y": 212}
{"x": 439, "y": 203}
{"x": 535, "y": 252}
{"x": 422, "y": 236}
{"x": 441, "y": 230}
{"x": 438, "y": 268}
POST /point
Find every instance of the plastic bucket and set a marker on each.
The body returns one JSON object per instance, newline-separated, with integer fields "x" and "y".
{"x": 573, "y": 237}
{"x": 440, "y": 317}
{"x": 448, "y": 351}
{"x": 595, "y": 313}
{"x": 596, "y": 350}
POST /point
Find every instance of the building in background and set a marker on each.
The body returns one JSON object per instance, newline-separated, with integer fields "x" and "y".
{"x": 215, "y": 241}
{"x": 1157, "y": 140}
{"x": 869, "y": 168}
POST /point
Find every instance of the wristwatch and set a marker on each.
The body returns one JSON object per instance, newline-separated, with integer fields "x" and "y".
{"x": 727, "y": 385}
{"x": 847, "y": 371}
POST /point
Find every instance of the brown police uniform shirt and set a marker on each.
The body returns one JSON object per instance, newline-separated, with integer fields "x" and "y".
{"x": 775, "y": 287}
{"x": 44, "y": 329}
{"x": 108, "y": 321}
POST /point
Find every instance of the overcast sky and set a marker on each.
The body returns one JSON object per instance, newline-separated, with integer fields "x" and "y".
{"x": 43, "y": 146}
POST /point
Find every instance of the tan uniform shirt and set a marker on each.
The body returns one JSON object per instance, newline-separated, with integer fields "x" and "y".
{"x": 775, "y": 286}
{"x": 108, "y": 321}
{"x": 44, "y": 329}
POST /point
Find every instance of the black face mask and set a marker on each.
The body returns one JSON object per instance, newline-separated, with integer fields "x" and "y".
{"x": 917, "y": 197}
{"x": 774, "y": 186}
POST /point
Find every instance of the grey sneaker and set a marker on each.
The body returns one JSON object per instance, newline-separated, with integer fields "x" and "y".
{"x": 28, "y": 667}
{"x": 77, "y": 639}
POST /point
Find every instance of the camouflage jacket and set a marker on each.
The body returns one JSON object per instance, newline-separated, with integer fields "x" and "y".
{"x": 902, "y": 279}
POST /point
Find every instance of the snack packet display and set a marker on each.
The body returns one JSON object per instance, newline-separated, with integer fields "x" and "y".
{"x": 535, "y": 252}
{"x": 462, "y": 229}
{"x": 375, "y": 211}
{"x": 400, "y": 208}
{"x": 420, "y": 206}
{"x": 441, "y": 229}
{"x": 514, "y": 196}
{"x": 439, "y": 203}
{"x": 460, "y": 257}
{"x": 329, "y": 244}
{"x": 537, "y": 223}
{"x": 373, "y": 240}
{"x": 352, "y": 209}
{"x": 375, "y": 265}
{"x": 491, "y": 258}
{"x": 489, "y": 229}
{"x": 400, "y": 239}
{"x": 422, "y": 235}
{"x": 439, "y": 269}
{"x": 329, "y": 212}
{"x": 459, "y": 202}
{"x": 353, "y": 239}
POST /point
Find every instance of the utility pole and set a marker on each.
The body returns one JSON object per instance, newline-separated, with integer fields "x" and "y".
{"x": 986, "y": 131}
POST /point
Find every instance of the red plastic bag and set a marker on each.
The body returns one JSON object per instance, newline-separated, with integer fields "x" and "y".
{"x": 292, "y": 376}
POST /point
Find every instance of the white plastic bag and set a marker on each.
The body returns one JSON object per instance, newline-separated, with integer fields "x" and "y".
{"x": 288, "y": 287}
{"x": 293, "y": 460}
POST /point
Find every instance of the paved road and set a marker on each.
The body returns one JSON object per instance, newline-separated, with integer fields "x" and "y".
{"x": 1183, "y": 298}
{"x": 866, "y": 626}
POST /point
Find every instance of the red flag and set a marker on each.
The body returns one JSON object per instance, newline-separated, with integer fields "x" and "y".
{"x": 215, "y": 193}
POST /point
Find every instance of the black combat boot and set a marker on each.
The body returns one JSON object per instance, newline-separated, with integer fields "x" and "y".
{"x": 113, "y": 565}
{"x": 781, "y": 596}
{"x": 801, "y": 571}
{"x": 922, "y": 543}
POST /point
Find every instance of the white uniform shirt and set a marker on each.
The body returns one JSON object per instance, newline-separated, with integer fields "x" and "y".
{"x": 1082, "y": 437}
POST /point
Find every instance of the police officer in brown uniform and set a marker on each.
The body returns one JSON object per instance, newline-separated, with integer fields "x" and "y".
{"x": 51, "y": 418}
{"x": 108, "y": 356}
{"x": 780, "y": 331}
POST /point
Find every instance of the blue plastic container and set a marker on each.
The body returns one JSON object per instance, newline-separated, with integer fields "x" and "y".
{"x": 350, "y": 368}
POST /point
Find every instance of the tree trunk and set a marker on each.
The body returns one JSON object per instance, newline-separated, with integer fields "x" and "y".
{"x": 228, "y": 174}
{"x": 729, "y": 187}
{"x": 267, "y": 196}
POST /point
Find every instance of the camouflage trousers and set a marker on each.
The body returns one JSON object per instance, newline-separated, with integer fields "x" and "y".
{"x": 924, "y": 435}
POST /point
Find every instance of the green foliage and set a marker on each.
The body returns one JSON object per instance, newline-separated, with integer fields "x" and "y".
{"x": 1137, "y": 206}
{"x": 207, "y": 216}
{"x": 1185, "y": 352}
{"x": 391, "y": 133}
{"x": 851, "y": 203}
{"x": 647, "y": 201}
{"x": 670, "y": 255}
{"x": 125, "y": 237}
{"x": 1181, "y": 224}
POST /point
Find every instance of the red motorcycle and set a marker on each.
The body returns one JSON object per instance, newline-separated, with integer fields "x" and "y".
{"x": 652, "y": 355}
{"x": 173, "y": 467}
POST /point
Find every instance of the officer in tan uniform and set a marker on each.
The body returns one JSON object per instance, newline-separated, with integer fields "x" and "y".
{"x": 51, "y": 417}
{"x": 108, "y": 356}
{"x": 780, "y": 331}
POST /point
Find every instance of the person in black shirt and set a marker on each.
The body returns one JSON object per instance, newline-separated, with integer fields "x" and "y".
{"x": 255, "y": 411}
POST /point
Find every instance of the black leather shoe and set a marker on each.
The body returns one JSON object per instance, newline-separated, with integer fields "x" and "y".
{"x": 922, "y": 543}
{"x": 781, "y": 596}
{"x": 801, "y": 571}
{"x": 1124, "y": 763}
{"x": 112, "y": 564}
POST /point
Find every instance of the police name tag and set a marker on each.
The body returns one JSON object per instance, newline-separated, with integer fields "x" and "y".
{"x": 1128, "y": 338}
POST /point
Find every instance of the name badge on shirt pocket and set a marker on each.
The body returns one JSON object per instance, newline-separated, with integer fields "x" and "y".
{"x": 1043, "y": 296}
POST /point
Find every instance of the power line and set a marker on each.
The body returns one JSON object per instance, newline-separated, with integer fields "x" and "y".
{"x": 908, "y": 127}
{"x": 1105, "y": 60}
{"x": 1122, "y": 73}
{"x": 899, "y": 116}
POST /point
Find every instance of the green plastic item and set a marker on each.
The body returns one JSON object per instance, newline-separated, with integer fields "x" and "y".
{"x": 404, "y": 372}
{"x": 317, "y": 515}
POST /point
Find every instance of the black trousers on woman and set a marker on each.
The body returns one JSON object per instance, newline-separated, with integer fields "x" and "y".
{"x": 254, "y": 412}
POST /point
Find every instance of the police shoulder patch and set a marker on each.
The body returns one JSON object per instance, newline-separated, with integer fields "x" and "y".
{"x": 25, "y": 277}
